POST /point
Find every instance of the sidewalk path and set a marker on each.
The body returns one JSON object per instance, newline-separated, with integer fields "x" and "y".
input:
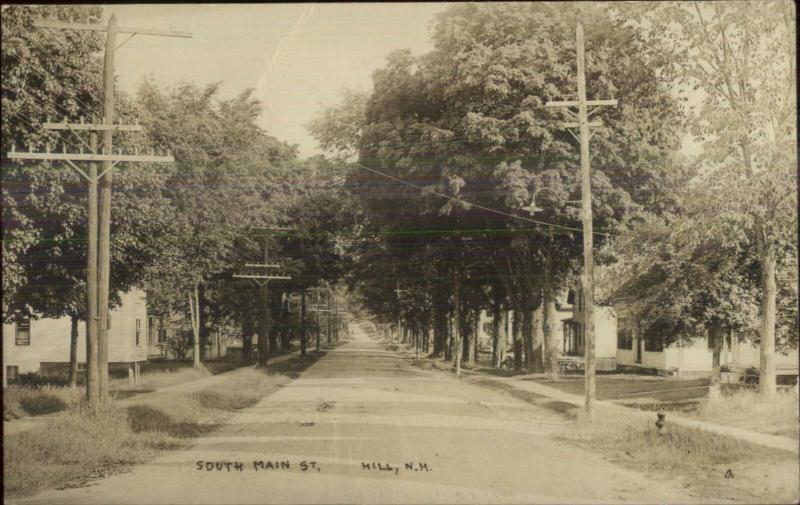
{"x": 754, "y": 437}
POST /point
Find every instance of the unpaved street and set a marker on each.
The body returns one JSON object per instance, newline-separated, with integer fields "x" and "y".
{"x": 363, "y": 426}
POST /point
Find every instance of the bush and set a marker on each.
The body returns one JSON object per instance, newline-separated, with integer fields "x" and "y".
{"x": 19, "y": 401}
{"x": 226, "y": 400}
{"x": 42, "y": 404}
{"x": 146, "y": 418}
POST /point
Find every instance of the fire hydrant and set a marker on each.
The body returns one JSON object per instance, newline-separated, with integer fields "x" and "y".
{"x": 661, "y": 420}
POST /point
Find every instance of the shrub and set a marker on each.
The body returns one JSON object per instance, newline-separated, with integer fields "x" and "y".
{"x": 19, "y": 401}
{"x": 146, "y": 418}
{"x": 37, "y": 405}
{"x": 229, "y": 400}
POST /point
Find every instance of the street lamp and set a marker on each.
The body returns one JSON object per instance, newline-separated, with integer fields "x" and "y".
{"x": 532, "y": 208}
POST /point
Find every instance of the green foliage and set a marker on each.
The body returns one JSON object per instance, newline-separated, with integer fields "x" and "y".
{"x": 468, "y": 120}
{"x": 42, "y": 404}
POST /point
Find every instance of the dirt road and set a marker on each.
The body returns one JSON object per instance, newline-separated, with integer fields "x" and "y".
{"x": 362, "y": 426}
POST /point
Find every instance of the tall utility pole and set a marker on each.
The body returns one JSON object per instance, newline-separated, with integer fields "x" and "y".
{"x": 104, "y": 224}
{"x": 99, "y": 215}
{"x": 262, "y": 279}
{"x": 587, "y": 279}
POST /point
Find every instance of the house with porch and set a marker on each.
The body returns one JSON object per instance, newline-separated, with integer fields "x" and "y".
{"x": 570, "y": 332}
{"x": 574, "y": 335}
{"x": 42, "y": 345}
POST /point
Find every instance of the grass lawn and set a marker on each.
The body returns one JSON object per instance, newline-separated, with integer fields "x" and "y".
{"x": 698, "y": 459}
{"x": 33, "y": 400}
{"x": 743, "y": 408}
{"x": 630, "y": 387}
{"x": 84, "y": 444}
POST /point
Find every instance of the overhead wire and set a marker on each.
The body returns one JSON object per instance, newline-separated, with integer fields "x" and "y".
{"x": 478, "y": 206}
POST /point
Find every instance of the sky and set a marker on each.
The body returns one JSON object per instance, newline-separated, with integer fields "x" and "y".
{"x": 298, "y": 57}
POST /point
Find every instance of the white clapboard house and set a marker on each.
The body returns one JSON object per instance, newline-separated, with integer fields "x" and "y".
{"x": 642, "y": 351}
{"x": 36, "y": 345}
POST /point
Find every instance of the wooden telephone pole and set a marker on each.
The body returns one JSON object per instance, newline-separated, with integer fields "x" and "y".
{"x": 99, "y": 202}
{"x": 587, "y": 279}
{"x": 262, "y": 279}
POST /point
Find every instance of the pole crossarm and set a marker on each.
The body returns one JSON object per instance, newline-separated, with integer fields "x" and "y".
{"x": 575, "y": 103}
{"x": 590, "y": 124}
{"x": 92, "y": 127}
{"x": 268, "y": 277}
{"x": 89, "y": 157}
{"x": 102, "y": 28}
{"x": 259, "y": 265}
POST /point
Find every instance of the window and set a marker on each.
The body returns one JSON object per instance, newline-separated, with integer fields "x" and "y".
{"x": 487, "y": 328}
{"x": 573, "y": 338}
{"x": 22, "y": 331}
{"x": 624, "y": 337}
{"x": 653, "y": 342}
{"x": 162, "y": 335}
{"x": 138, "y": 331}
{"x": 12, "y": 374}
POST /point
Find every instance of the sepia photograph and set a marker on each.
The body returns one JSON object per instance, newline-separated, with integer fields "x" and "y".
{"x": 400, "y": 253}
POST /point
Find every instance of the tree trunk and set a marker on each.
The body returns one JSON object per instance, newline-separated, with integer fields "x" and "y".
{"x": 537, "y": 354}
{"x": 448, "y": 340}
{"x": 471, "y": 338}
{"x": 73, "y": 351}
{"x": 457, "y": 323}
{"x": 550, "y": 328}
{"x": 286, "y": 331}
{"x": 439, "y": 330}
{"x": 767, "y": 381}
{"x": 715, "y": 339}
{"x": 263, "y": 326}
{"x": 497, "y": 349}
{"x": 527, "y": 336}
{"x": 247, "y": 332}
{"x": 193, "y": 313}
{"x": 303, "y": 331}
{"x": 203, "y": 320}
{"x": 516, "y": 329}
{"x": 275, "y": 317}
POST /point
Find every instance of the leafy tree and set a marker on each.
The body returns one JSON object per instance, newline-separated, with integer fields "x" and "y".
{"x": 57, "y": 75}
{"x": 468, "y": 121}
{"x": 741, "y": 57}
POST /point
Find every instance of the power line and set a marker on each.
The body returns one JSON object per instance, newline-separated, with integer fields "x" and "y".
{"x": 488, "y": 209}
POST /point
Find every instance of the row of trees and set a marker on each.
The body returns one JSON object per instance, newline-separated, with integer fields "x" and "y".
{"x": 179, "y": 231}
{"x": 706, "y": 246}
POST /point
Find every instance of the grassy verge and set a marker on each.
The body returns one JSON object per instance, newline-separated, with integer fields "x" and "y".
{"x": 85, "y": 444}
{"x": 700, "y": 460}
{"x": 744, "y": 409}
{"x": 21, "y": 401}
{"x": 38, "y": 399}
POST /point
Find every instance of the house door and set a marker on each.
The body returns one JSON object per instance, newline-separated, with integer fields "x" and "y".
{"x": 637, "y": 350}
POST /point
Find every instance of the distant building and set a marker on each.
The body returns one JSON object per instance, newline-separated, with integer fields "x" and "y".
{"x": 38, "y": 345}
